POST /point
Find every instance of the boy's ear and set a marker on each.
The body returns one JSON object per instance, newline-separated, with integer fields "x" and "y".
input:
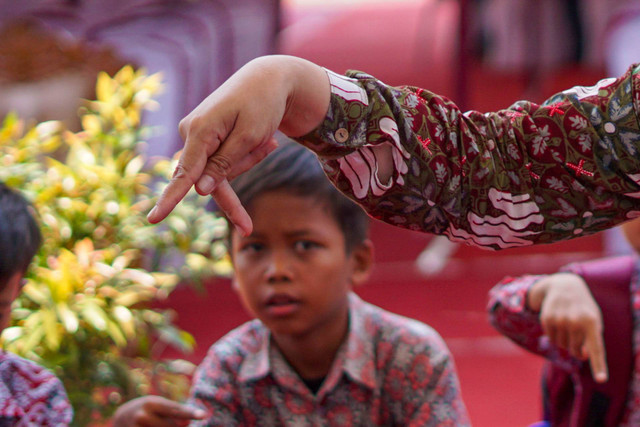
{"x": 362, "y": 256}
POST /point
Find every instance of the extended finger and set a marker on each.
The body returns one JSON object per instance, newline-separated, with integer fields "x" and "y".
{"x": 228, "y": 202}
{"x": 597, "y": 355}
{"x": 175, "y": 191}
{"x": 189, "y": 169}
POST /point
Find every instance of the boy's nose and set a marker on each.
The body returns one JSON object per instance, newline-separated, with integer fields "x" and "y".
{"x": 279, "y": 268}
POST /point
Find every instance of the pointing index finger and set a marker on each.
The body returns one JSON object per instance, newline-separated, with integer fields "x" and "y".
{"x": 189, "y": 169}
{"x": 171, "y": 196}
{"x": 597, "y": 358}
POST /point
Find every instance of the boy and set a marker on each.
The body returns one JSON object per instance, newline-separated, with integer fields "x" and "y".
{"x": 316, "y": 354}
{"x": 528, "y": 174}
{"x": 29, "y": 394}
{"x": 588, "y": 310}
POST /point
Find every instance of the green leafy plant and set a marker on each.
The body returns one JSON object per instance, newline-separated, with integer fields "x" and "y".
{"x": 86, "y": 311}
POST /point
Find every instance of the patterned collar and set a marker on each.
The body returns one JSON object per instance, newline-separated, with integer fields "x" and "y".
{"x": 355, "y": 357}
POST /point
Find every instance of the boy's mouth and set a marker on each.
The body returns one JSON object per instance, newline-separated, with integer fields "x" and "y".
{"x": 282, "y": 305}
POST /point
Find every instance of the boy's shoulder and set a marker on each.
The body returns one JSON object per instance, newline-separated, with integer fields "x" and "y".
{"x": 24, "y": 383}
{"x": 246, "y": 339}
{"x": 383, "y": 326}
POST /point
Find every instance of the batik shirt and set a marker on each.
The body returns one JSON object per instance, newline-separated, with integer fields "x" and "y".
{"x": 528, "y": 174}
{"x": 510, "y": 314}
{"x": 390, "y": 370}
{"x": 30, "y": 395}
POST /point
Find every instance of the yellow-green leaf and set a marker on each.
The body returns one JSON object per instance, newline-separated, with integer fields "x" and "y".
{"x": 52, "y": 332}
{"x": 68, "y": 317}
{"x": 95, "y": 316}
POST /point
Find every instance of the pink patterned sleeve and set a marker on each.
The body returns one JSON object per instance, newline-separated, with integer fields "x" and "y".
{"x": 509, "y": 314}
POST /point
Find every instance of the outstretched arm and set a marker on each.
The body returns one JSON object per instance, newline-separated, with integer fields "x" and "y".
{"x": 528, "y": 174}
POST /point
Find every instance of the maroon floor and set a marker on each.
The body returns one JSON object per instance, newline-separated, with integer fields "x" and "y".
{"x": 410, "y": 43}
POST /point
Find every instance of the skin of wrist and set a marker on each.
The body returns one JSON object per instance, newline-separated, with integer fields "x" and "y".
{"x": 308, "y": 96}
{"x": 537, "y": 293}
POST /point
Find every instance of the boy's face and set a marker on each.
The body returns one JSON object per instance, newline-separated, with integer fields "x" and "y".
{"x": 7, "y": 295}
{"x": 293, "y": 272}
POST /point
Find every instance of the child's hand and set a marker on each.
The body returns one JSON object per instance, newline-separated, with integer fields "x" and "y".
{"x": 152, "y": 411}
{"x": 571, "y": 318}
{"x": 233, "y": 128}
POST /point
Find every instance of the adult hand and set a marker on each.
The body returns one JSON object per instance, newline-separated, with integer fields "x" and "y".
{"x": 155, "y": 411}
{"x": 571, "y": 318}
{"x": 233, "y": 128}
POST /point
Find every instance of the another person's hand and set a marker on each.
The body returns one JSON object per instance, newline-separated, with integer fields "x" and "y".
{"x": 233, "y": 128}
{"x": 155, "y": 411}
{"x": 571, "y": 318}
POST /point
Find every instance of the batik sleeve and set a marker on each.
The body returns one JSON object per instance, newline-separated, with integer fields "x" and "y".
{"x": 528, "y": 174}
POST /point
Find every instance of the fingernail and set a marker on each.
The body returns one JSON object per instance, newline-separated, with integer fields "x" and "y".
{"x": 206, "y": 184}
{"x": 199, "y": 413}
{"x": 242, "y": 230}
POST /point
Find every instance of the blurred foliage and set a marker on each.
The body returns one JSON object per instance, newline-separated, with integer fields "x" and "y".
{"x": 86, "y": 311}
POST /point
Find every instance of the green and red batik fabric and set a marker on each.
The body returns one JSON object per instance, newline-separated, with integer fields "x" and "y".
{"x": 527, "y": 174}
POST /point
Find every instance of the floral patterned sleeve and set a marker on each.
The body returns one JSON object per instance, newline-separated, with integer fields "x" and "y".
{"x": 509, "y": 314}
{"x": 528, "y": 174}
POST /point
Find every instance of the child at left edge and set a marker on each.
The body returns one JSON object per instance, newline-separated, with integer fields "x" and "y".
{"x": 29, "y": 393}
{"x": 317, "y": 354}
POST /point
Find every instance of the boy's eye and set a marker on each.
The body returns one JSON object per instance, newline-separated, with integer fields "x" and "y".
{"x": 252, "y": 247}
{"x": 305, "y": 245}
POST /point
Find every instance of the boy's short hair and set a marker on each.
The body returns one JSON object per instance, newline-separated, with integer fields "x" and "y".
{"x": 296, "y": 170}
{"x": 20, "y": 236}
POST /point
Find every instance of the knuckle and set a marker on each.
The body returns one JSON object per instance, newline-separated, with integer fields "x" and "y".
{"x": 219, "y": 165}
{"x": 183, "y": 127}
{"x": 193, "y": 122}
{"x": 195, "y": 126}
{"x": 249, "y": 138}
{"x": 180, "y": 172}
